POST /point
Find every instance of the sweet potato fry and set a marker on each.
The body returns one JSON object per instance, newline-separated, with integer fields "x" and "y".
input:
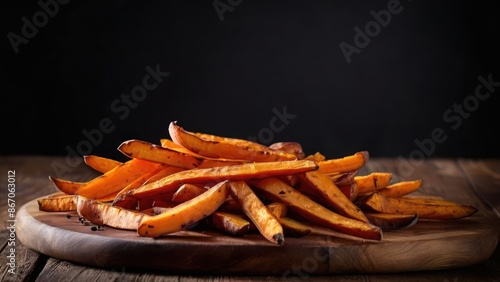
{"x": 401, "y": 188}
{"x": 222, "y": 147}
{"x": 156, "y": 153}
{"x": 104, "y": 214}
{"x": 186, "y": 214}
{"x": 207, "y": 162}
{"x": 314, "y": 212}
{"x": 101, "y": 164}
{"x": 186, "y": 192}
{"x": 265, "y": 221}
{"x": 230, "y": 223}
{"x": 372, "y": 182}
{"x": 429, "y": 209}
{"x": 345, "y": 164}
{"x": 116, "y": 179}
{"x": 236, "y": 172}
{"x": 66, "y": 186}
{"x": 391, "y": 220}
{"x": 332, "y": 195}
{"x": 135, "y": 183}
{"x": 56, "y": 203}
{"x": 294, "y": 227}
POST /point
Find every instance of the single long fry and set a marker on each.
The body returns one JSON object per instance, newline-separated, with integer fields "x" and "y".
{"x": 207, "y": 161}
{"x": 332, "y": 195}
{"x": 116, "y": 179}
{"x": 401, "y": 188}
{"x": 440, "y": 209}
{"x": 345, "y": 164}
{"x": 57, "y": 203}
{"x": 265, "y": 221}
{"x": 104, "y": 214}
{"x": 156, "y": 153}
{"x": 314, "y": 212}
{"x": 222, "y": 147}
{"x": 186, "y": 214}
{"x": 215, "y": 174}
{"x": 101, "y": 164}
{"x": 372, "y": 182}
{"x": 66, "y": 186}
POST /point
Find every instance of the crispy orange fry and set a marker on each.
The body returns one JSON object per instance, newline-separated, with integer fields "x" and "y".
{"x": 373, "y": 181}
{"x": 186, "y": 214}
{"x": 156, "y": 153}
{"x": 236, "y": 172}
{"x": 400, "y": 189}
{"x": 314, "y": 212}
{"x": 104, "y": 214}
{"x": 116, "y": 179}
{"x": 294, "y": 227}
{"x": 101, "y": 164}
{"x": 66, "y": 186}
{"x": 332, "y": 195}
{"x": 265, "y": 221}
{"x": 56, "y": 203}
{"x": 428, "y": 209}
{"x": 207, "y": 162}
{"x": 222, "y": 147}
{"x": 345, "y": 164}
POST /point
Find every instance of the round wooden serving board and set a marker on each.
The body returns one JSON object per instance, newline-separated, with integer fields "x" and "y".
{"x": 427, "y": 245}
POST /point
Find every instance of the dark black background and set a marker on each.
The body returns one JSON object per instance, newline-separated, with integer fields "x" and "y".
{"x": 226, "y": 77}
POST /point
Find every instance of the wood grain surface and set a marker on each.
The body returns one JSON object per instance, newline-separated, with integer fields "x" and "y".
{"x": 467, "y": 181}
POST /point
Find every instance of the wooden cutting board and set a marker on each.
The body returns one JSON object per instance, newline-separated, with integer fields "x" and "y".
{"x": 428, "y": 245}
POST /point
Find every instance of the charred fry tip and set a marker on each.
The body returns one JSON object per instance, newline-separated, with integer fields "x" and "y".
{"x": 279, "y": 239}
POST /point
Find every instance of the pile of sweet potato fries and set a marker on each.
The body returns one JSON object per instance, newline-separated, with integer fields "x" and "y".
{"x": 237, "y": 187}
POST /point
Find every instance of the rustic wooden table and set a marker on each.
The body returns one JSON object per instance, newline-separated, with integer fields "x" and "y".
{"x": 463, "y": 180}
